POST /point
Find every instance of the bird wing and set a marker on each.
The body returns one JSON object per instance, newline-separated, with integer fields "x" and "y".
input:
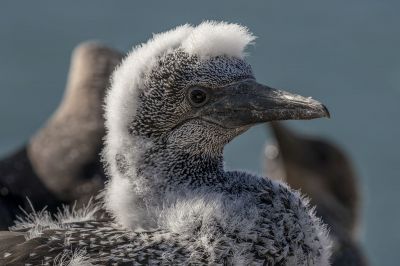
{"x": 96, "y": 242}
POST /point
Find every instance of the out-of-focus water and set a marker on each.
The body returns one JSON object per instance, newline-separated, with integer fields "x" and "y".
{"x": 344, "y": 53}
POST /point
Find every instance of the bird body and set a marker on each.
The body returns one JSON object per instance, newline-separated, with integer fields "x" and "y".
{"x": 173, "y": 104}
{"x": 204, "y": 227}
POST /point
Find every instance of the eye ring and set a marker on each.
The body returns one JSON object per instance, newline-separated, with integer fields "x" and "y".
{"x": 197, "y": 96}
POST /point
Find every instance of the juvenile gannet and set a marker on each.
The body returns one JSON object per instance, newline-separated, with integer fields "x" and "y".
{"x": 173, "y": 104}
{"x": 324, "y": 173}
{"x": 60, "y": 164}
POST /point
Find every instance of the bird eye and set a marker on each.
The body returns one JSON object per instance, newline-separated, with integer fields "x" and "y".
{"x": 197, "y": 96}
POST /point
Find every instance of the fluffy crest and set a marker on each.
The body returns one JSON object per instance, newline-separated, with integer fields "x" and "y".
{"x": 212, "y": 38}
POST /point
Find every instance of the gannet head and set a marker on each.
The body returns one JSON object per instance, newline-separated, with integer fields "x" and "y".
{"x": 192, "y": 88}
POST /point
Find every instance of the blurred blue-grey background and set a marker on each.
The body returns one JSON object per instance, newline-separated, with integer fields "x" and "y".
{"x": 344, "y": 53}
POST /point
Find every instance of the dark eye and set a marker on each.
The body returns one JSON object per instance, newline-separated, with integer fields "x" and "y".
{"x": 197, "y": 96}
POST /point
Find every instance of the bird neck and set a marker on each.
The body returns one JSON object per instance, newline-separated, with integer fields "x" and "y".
{"x": 168, "y": 163}
{"x": 147, "y": 173}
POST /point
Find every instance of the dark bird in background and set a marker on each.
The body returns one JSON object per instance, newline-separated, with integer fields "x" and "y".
{"x": 323, "y": 172}
{"x": 173, "y": 104}
{"x": 61, "y": 163}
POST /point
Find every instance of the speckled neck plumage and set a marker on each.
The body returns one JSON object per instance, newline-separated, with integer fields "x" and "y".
{"x": 181, "y": 167}
{"x": 176, "y": 166}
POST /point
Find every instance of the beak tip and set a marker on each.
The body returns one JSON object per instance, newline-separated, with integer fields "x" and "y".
{"x": 327, "y": 114}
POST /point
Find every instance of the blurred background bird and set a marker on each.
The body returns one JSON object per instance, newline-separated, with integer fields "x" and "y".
{"x": 60, "y": 164}
{"x": 325, "y": 174}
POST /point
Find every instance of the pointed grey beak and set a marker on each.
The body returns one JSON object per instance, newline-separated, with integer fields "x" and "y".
{"x": 247, "y": 102}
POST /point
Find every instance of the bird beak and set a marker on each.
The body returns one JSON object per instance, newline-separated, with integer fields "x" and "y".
{"x": 247, "y": 102}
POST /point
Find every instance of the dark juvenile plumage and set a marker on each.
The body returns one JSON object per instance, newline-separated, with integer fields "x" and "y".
{"x": 60, "y": 164}
{"x": 324, "y": 173}
{"x": 111, "y": 246}
{"x": 174, "y": 103}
